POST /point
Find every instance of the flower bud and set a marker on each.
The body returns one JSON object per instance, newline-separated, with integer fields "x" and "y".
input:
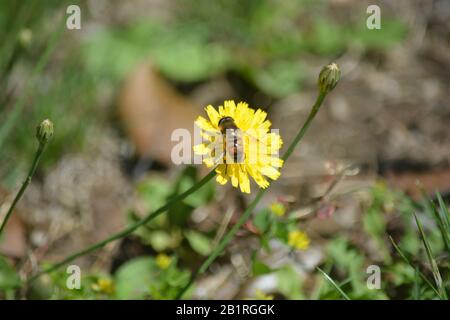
{"x": 329, "y": 77}
{"x": 44, "y": 131}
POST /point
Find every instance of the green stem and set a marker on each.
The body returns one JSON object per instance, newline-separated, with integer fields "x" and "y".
{"x": 128, "y": 230}
{"x": 25, "y": 184}
{"x": 244, "y": 217}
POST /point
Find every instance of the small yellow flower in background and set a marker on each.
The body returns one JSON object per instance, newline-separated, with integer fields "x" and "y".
{"x": 278, "y": 209}
{"x": 298, "y": 240}
{"x": 104, "y": 285}
{"x": 163, "y": 261}
{"x": 261, "y": 295}
{"x": 252, "y": 151}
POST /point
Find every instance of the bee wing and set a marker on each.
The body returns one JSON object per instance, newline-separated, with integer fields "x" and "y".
{"x": 218, "y": 152}
{"x": 218, "y": 159}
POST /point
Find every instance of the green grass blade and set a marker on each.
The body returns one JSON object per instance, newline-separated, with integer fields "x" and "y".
{"x": 416, "y": 289}
{"x": 441, "y": 219}
{"x": 431, "y": 260}
{"x": 335, "y": 285}
{"x": 432, "y": 210}
{"x": 403, "y": 256}
{"x": 445, "y": 214}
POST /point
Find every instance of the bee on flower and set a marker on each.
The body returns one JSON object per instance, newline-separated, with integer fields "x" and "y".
{"x": 239, "y": 144}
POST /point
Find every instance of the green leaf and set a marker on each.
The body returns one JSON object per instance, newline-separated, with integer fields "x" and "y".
{"x": 160, "y": 240}
{"x": 9, "y": 279}
{"x": 178, "y": 215}
{"x": 281, "y": 230}
{"x": 391, "y": 32}
{"x": 279, "y": 79}
{"x": 350, "y": 260}
{"x": 375, "y": 225}
{"x": 154, "y": 191}
{"x": 185, "y": 54}
{"x": 401, "y": 273}
{"x": 180, "y": 52}
{"x": 260, "y": 268}
{"x": 133, "y": 278}
{"x": 262, "y": 220}
{"x": 327, "y": 37}
{"x": 201, "y": 196}
{"x": 264, "y": 241}
{"x": 199, "y": 242}
{"x": 289, "y": 283}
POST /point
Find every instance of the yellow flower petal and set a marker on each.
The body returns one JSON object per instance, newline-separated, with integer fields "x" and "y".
{"x": 222, "y": 111}
{"x": 267, "y": 160}
{"x": 221, "y": 179}
{"x": 204, "y": 124}
{"x": 221, "y": 174}
{"x": 273, "y": 142}
{"x": 209, "y": 162}
{"x": 265, "y": 126}
{"x": 244, "y": 181}
{"x": 276, "y": 162}
{"x": 201, "y": 149}
{"x": 258, "y": 118}
{"x": 298, "y": 240}
{"x": 234, "y": 174}
{"x": 213, "y": 115}
{"x": 230, "y": 107}
{"x": 258, "y": 177}
{"x": 270, "y": 172}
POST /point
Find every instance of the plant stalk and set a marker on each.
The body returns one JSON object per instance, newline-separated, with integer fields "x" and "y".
{"x": 25, "y": 184}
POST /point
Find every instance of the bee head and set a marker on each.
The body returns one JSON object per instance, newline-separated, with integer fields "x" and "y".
{"x": 226, "y": 122}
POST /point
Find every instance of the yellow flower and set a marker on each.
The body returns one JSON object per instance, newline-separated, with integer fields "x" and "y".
{"x": 163, "y": 261}
{"x": 261, "y": 295}
{"x": 253, "y": 152}
{"x": 104, "y": 285}
{"x": 298, "y": 240}
{"x": 278, "y": 209}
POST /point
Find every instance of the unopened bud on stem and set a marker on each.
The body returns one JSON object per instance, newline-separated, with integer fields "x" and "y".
{"x": 44, "y": 131}
{"x": 329, "y": 77}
